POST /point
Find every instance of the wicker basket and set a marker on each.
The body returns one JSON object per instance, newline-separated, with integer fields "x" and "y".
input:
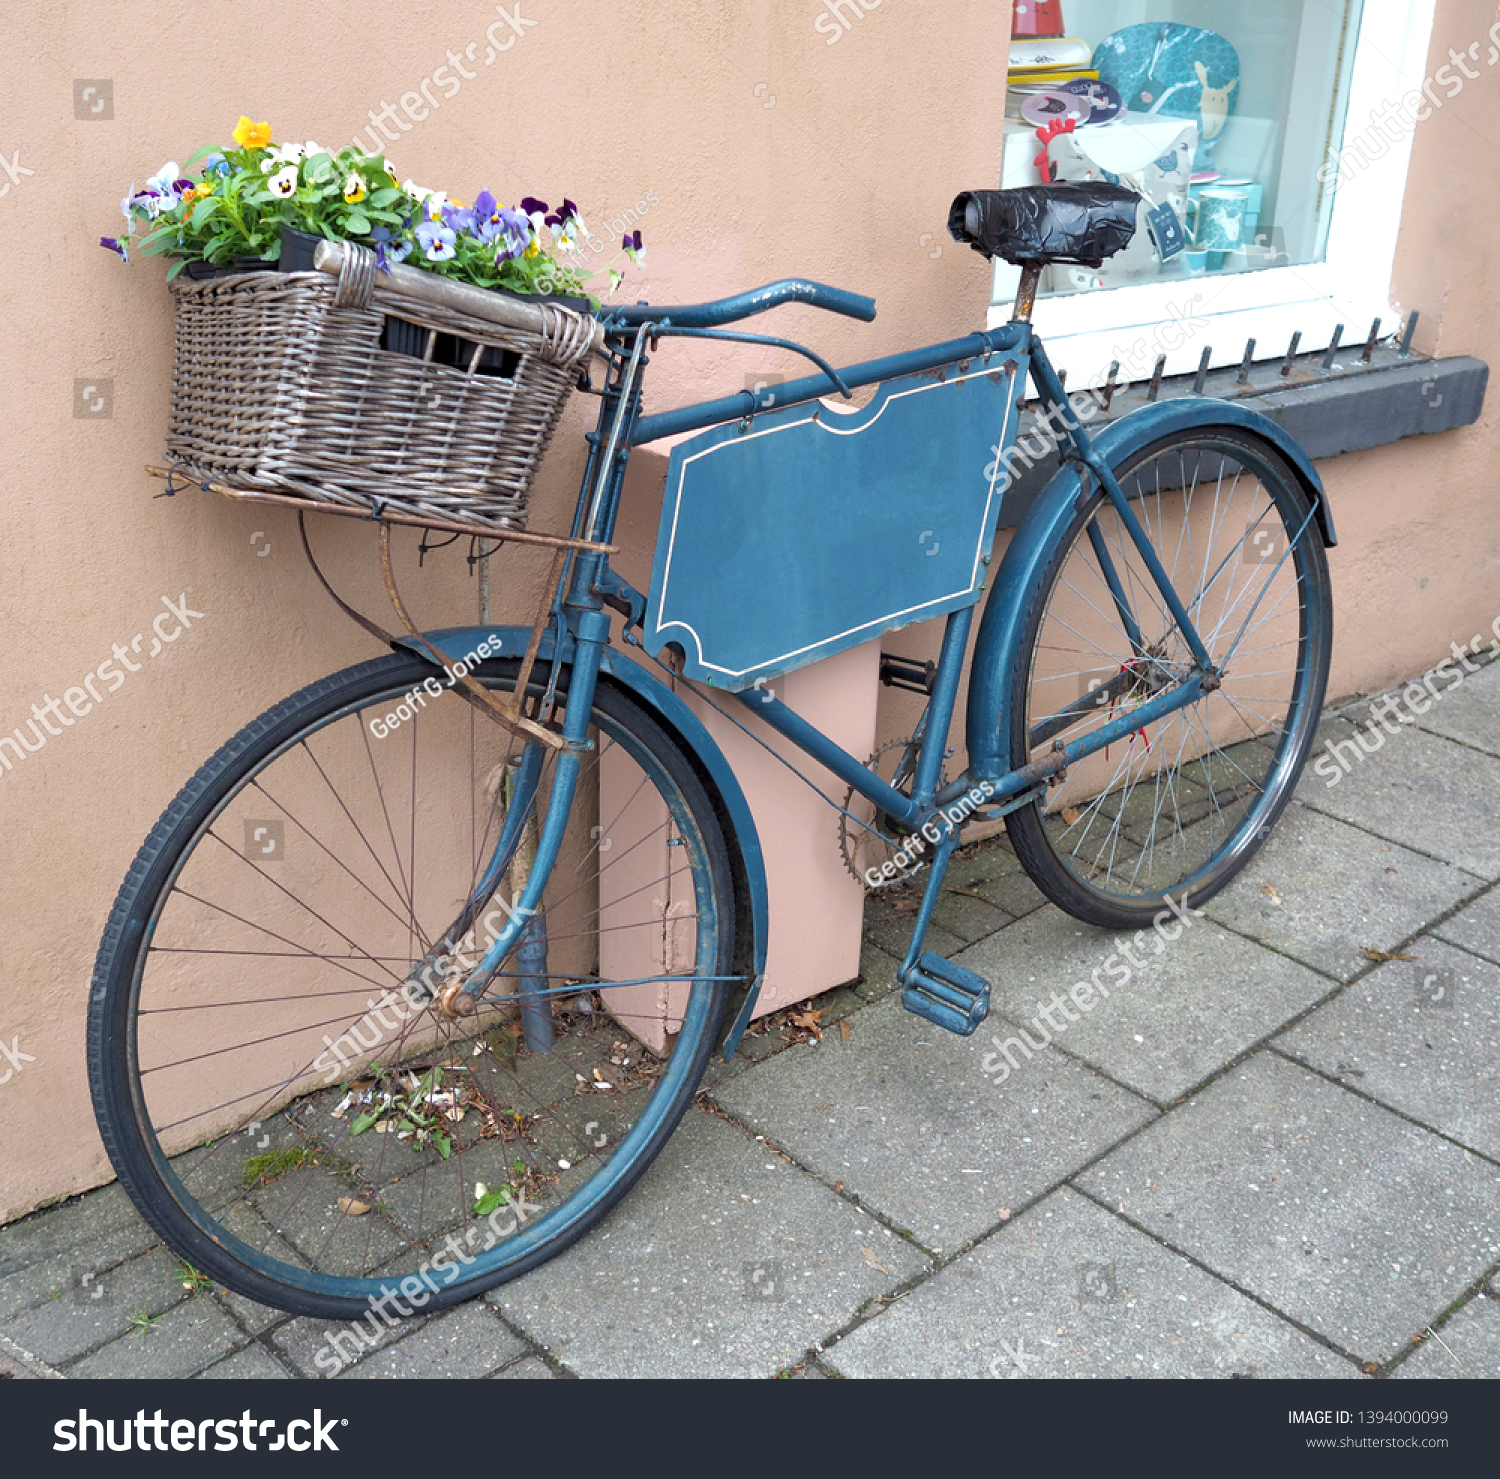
{"x": 281, "y": 385}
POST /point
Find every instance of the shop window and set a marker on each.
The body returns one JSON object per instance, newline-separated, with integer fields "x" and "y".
{"x": 1254, "y": 127}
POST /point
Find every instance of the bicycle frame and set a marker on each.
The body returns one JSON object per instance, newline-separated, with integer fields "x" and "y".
{"x": 581, "y": 626}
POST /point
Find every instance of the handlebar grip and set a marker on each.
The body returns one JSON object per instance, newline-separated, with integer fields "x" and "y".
{"x": 745, "y": 305}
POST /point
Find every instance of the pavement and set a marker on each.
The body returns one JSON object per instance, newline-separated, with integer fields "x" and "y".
{"x": 1275, "y": 1152}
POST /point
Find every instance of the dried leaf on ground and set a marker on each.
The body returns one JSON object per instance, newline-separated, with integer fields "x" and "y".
{"x": 1070, "y": 815}
{"x": 353, "y": 1206}
{"x": 1381, "y": 956}
{"x": 1269, "y": 890}
{"x": 808, "y": 1021}
{"x": 873, "y": 1259}
{"x": 844, "y": 1028}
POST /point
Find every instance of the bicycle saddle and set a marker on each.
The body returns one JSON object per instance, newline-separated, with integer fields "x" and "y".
{"x": 1082, "y": 223}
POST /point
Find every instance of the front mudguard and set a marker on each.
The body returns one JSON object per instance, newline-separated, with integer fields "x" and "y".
{"x": 1000, "y": 628}
{"x": 456, "y": 643}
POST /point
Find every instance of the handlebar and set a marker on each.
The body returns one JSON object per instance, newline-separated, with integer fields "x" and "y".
{"x": 744, "y": 305}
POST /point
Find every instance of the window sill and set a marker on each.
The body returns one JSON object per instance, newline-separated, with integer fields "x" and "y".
{"x": 1350, "y": 408}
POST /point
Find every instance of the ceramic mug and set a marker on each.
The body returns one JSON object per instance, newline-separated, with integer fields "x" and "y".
{"x": 1220, "y": 219}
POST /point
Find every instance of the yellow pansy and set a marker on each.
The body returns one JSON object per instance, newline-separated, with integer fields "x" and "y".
{"x": 354, "y": 189}
{"x": 251, "y": 135}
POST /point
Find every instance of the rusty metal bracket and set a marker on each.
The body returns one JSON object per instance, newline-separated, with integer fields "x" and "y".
{"x": 508, "y": 716}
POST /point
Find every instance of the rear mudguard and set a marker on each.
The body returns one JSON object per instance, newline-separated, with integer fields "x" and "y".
{"x": 1000, "y": 629}
{"x": 457, "y": 643}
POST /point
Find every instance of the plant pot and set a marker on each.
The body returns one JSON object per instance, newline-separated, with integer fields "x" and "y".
{"x": 297, "y": 248}
{"x": 401, "y": 337}
{"x": 201, "y": 271}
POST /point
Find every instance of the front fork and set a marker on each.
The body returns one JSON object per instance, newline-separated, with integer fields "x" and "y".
{"x": 460, "y": 998}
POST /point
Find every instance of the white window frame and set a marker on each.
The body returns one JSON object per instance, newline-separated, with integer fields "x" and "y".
{"x": 1085, "y": 331}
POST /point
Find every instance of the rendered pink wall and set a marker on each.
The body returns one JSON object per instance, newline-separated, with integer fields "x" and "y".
{"x": 761, "y": 151}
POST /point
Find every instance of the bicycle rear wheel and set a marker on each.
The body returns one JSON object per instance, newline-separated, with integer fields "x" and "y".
{"x": 1181, "y": 805}
{"x": 290, "y": 1123}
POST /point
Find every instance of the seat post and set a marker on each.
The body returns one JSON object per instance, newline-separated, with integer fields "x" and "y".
{"x": 1031, "y": 276}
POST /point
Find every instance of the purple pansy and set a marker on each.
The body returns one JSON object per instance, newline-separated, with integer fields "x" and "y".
{"x": 114, "y": 245}
{"x": 486, "y": 217}
{"x": 459, "y": 218}
{"x": 513, "y": 234}
{"x": 389, "y": 248}
{"x": 437, "y": 241}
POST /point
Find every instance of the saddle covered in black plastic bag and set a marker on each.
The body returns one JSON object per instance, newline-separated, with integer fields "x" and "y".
{"x": 1083, "y": 223}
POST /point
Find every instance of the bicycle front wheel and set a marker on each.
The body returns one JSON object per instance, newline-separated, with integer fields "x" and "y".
{"x": 290, "y": 1122}
{"x": 1181, "y": 805}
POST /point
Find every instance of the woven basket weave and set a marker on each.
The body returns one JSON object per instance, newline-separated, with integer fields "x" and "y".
{"x": 280, "y": 385}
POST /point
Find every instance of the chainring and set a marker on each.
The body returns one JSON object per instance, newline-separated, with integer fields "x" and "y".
{"x": 870, "y": 839}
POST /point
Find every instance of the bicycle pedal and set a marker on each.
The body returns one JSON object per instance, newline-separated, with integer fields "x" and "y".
{"x": 947, "y": 995}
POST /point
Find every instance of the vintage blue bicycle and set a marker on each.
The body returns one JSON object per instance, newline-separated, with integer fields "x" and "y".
{"x": 398, "y": 996}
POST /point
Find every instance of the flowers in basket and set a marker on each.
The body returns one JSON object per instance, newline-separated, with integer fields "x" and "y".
{"x": 234, "y": 214}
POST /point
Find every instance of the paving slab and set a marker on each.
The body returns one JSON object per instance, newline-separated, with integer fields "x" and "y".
{"x": 1321, "y": 891}
{"x": 1469, "y": 713}
{"x": 533, "y": 1368}
{"x": 992, "y": 871}
{"x": 1422, "y": 1036}
{"x": 962, "y": 913}
{"x": 252, "y": 1363}
{"x": 1069, "y": 1290}
{"x": 1468, "y": 1346}
{"x": 891, "y": 915}
{"x": 1418, "y": 789}
{"x": 254, "y": 1318}
{"x": 1193, "y": 1004}
{"x": 63, "y": 1274}
{"x": 99, "y": 1220}
{"x": 1476, "y": 927}
{"x": 877, "y": 971}
{"x": 327, "y": 1347}
{"x": 1335, "y": 1211}
{"x": 724, "y": 1261}
{"x": 182, "y": 1342}
{"x": 463, "y": 1343}
{"x": 905, "y": 1117}
{"x": 96, "y": 1309}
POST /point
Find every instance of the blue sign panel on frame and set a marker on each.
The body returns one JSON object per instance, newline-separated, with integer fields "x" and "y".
{"x": 813, "y": 530}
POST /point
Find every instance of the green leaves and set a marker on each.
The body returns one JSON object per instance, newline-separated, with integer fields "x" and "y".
{"x": 491, "y": 1201}
{"x": 356, "y": 223}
